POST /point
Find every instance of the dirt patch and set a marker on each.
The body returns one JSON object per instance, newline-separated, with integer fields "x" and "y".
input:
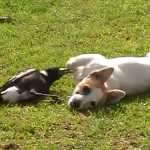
{"x": 83, "y": 115}
{"x": 64, "y": 125}
{"x": 125, "y": 143}
{"x": 10, "y": 146}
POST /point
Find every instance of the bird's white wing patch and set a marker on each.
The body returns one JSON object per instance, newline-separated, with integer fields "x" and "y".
{"x": 21, "y": 74}
{"x": 44, "y": 73}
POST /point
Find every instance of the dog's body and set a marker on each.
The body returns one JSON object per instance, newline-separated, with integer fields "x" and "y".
{"x": 131, "y": 74}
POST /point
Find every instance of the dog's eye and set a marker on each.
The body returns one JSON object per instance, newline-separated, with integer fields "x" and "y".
{"x": 86, "y": 90}
{"x": 93, "y": 103}
{"x": 81, "y": 79}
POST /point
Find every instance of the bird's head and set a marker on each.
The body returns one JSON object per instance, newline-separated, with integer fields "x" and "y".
{"x": 55, "y": 73}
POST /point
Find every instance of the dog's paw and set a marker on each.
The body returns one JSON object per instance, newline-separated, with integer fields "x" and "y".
{"x": 71, "y": 64}
{"x": 148, "y": 55}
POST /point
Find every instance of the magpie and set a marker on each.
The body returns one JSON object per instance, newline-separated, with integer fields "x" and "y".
{"x": 31, "y": 84}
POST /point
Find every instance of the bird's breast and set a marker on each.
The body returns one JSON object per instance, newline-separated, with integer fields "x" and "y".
{"x": 13, "y": 94}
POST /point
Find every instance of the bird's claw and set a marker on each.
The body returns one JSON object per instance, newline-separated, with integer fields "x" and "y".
{"x": 54, "y": 100}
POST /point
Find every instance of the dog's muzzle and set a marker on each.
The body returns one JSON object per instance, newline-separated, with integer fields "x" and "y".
{"x": 75, "y": 104}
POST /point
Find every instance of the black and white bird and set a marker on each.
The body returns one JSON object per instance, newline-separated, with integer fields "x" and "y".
{"x": 31, "y": 84}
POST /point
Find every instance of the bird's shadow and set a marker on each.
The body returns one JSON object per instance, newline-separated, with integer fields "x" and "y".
{"x": 35, "y": 101}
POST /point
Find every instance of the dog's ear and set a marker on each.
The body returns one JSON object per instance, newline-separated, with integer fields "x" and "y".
{"x": 114, "y": 96}
{"x": 102, "y": 74}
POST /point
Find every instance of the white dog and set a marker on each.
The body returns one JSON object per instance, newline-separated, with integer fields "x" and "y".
{"x": 105, "y": 81}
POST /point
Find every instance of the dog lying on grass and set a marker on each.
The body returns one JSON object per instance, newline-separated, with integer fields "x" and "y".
{"x": 101, "y": 81}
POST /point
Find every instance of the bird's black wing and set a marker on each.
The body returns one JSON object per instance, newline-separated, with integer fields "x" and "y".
{"x": 19, "y": 76}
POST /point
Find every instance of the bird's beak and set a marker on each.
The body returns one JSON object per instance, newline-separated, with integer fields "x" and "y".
{"x": 63, "y": 71}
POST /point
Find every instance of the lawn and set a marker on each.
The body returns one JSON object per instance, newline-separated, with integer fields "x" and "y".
{"x": 44, "y": 33}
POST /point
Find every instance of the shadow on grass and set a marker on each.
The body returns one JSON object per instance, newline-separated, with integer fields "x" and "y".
{"x": 28, "y": 103}
{"x": 35, "y": 101}
{"x": 116, "y": 107}
{"x": 107, "y": 110}
{"x": 122, "y": 105}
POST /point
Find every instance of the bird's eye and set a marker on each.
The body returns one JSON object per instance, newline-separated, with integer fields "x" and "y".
{"x": 86, "y": 90}
{"x": 77, "y": 92}
{"x": 93, "y": 103}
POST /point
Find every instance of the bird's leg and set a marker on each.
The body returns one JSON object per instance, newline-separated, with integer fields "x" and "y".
{"x": 55, "y": 98}
{"x": 42, "y": 94}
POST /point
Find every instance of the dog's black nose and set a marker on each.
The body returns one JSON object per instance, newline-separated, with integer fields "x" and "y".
{"x": 75, "y": 103}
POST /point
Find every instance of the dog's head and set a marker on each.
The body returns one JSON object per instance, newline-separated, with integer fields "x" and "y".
{"x": 92, "y": 91}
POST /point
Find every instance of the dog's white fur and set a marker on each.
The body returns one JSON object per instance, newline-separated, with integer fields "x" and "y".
{"x": 78, "y": 63}
{"x": 131, "y": 74}
{"x": 82, "y": 60}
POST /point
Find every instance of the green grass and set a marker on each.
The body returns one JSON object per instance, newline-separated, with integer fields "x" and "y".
{"x": 45, "y": 33}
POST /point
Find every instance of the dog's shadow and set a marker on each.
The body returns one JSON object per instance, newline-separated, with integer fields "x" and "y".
{"x": 107, "y": 110}
{"x": 117, "y": 107}
{"x": 122, "y": 104}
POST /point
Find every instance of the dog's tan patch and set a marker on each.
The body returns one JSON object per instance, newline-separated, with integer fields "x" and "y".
{"x": 92, "y": 82}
